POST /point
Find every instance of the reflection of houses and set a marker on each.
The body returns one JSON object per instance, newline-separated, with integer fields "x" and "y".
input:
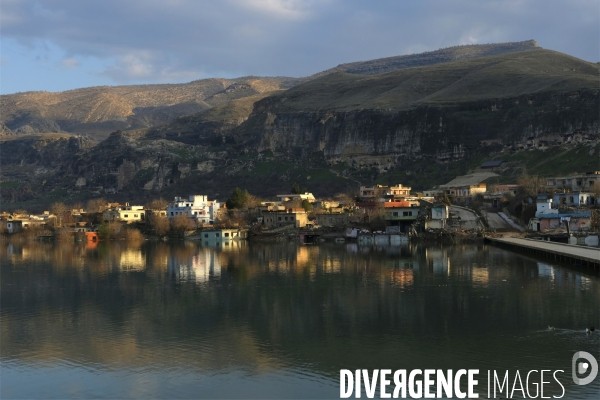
{"x": 132, "y": 260}
{"x": 197, "y": 268}
{"x": 125, "y": 213}
{"x": 438, "y": 260}
{"x": 197, "y": 207}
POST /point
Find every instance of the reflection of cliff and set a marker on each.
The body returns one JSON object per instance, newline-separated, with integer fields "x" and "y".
{"x": 273, "y": 305}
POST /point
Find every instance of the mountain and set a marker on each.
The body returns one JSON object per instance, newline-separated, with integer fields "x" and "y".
{"x": 418, "y": 126}
{"x": 449, "y": 54}
{"x": 97, "y": 111}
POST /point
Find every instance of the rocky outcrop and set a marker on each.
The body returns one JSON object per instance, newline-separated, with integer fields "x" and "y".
{"x": 383, "y": 138}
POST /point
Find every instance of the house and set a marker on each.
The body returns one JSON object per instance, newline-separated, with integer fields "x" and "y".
{"x": 578, "y": 182}
{"x": 333, "y": 219}
{"x": 125, "y": 213}
{"x": 491, "y": 164}
{"x": 380, "y": 192}
{"x": 510, "y": 188}
{"x": 547, "y": 217}
{"x": 17, "y": 225}
{"x": 282, "y": 198}
{"x": 197, "y": 207}
{"x": 437, "y": 216}
{"x": 576, "y": 220}
{"x": 223, "y": 235}
{"x": 574, "y": 199}
{"x": 401, "y": 215}
{"x": 295, "y": 216}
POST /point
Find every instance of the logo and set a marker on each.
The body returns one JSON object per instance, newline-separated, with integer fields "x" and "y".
{"x": 582, "y": 367}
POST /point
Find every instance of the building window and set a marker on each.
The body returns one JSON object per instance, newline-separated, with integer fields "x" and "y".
{"x": 216, "y": 235}
{"x": 172, "y": 213}
{"x": 126, "y": 215}
{"x": 406, "y": 213}
{"x": 279, "y": 218}
{"x": 206, "y": 235}
{"x": 135, "y": 215}
{"x": 226, "y": 234}
{"x": 395, "y": 213}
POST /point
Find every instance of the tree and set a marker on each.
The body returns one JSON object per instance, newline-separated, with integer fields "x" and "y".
{"x": 296, "y": 188}
{"x": 160, "y": 224}
{"x": 531, "y": 185}
{"x": 59, "y": 209}
{"x": 104, "y": 232}
{"x": 239, "y": 199}
{"x": 182, "y": 223}
{"x": 307, "y": 205}
{"x": 96, "y": 205}
{"x": 157, "y": 204}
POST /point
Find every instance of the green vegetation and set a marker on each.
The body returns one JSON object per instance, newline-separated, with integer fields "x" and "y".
{"x": 9, "y": 184}
{"x": 238, "y": 199}
{"x": 497, "y": 77}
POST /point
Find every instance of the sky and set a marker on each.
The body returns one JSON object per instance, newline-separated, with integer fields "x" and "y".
{"x": 57, "y": 45}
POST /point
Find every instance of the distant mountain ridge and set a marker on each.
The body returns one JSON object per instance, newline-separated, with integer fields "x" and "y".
{"x": 97, "y": 111}
{"x": 418, "y": 126}
{"x": 449, "y": 54}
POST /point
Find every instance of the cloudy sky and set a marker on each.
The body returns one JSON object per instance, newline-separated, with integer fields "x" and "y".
{"x": 57, "y": 45}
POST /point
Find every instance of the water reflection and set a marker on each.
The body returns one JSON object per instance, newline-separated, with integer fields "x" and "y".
{"x": 277, "y": 320}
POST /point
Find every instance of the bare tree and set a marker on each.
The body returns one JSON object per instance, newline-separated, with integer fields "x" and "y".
{"x": 59, "y": 209}
{"x": 182, "y": 223}
{"x": 157, "y": 204}
{"x": 531, "y": 185}
{"x": 96, "y": 205}
{"x": 160, "y": 224}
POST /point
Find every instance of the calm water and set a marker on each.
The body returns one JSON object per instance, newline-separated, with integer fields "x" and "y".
{"x": 279, "y": 320}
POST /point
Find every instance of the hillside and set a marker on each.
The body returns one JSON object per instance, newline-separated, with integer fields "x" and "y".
{"x": 100, "y": 110}
{"x": 97, "y": 111}
{"x": 419, "y": 126}
{"x": 455, "y": 53}
{"x": 503, "y": 76}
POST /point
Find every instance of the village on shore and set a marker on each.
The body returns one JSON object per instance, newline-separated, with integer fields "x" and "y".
{"x": 559, "y": 208}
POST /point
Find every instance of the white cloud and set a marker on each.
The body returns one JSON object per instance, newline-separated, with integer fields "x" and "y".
{"x": 70, "y": 63}
{"x": 157, "y": 40}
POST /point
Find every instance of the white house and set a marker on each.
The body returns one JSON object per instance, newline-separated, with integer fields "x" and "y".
{"x": 197, "y": 207}
{"x": 125, "y": 213}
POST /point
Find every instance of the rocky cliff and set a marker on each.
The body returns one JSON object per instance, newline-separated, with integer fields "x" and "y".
{"x": 418, "y": 126}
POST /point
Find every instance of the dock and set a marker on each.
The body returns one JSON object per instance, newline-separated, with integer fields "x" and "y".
{"x": 572, "y": 254}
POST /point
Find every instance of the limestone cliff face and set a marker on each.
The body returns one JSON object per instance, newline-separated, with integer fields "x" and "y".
{"x": 384, "y": 137}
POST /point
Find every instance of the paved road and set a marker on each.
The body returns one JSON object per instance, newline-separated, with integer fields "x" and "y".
{"x": 500, "y": 221}
{"x": 495, "y": 221}
{"x": 468, "y": 219}
{"x": 590, "y": 254}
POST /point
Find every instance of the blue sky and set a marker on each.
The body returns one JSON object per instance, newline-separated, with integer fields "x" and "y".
{"x": 57, "y": 45}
